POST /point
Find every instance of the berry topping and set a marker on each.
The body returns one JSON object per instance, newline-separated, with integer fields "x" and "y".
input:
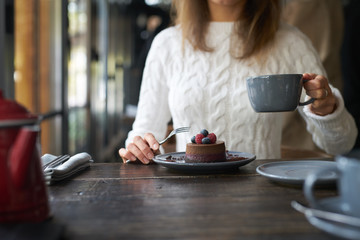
{"x": 212, "y": 137}
{"x": 198, "y": 138}
{"x": 206, "y": 140}
{"x": 204, "y": 132}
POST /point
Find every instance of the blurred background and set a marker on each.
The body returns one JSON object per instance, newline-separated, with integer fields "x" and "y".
{"x": 78, "y": 64}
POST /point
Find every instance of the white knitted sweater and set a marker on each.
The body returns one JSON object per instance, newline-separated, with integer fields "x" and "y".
{"x": 208, "y": 90}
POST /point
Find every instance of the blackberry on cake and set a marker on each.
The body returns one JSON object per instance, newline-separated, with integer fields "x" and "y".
{"x": 204, "y": 132}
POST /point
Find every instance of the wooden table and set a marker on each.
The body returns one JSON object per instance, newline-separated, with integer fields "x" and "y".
{"x": 134, "y": 201}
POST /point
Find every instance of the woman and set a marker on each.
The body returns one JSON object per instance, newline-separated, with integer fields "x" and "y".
{"x": 196, "y": 73}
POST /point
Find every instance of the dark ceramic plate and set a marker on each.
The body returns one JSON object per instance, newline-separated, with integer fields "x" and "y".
{"x": 176, "y": 161}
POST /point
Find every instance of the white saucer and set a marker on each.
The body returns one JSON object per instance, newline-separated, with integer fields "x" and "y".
{"x": 295, "y": 172}
{"x": 337, "y": 229}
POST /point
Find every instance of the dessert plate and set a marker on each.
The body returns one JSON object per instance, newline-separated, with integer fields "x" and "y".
{"x": 343, "y": 230}
{"x": 176, "y": 161}
{"x": 295, "y": 172}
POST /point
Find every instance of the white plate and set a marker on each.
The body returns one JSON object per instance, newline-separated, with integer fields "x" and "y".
{"x": 333, "y": 204}
{"x": 295, "y": 172}
{"x": 176, "y": 161}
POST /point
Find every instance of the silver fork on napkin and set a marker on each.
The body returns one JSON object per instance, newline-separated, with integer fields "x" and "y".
{"x": 64, "y": 169}
{"x": 53, "y": 162}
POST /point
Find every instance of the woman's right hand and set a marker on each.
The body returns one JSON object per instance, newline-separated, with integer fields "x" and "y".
{"x": 142, "y": 149}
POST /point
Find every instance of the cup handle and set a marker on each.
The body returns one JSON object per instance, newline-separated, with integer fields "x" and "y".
{"x": 311, "y": 100}
{"x": 310, "y": 181}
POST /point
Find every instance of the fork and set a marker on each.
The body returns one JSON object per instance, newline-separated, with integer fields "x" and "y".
{"x": 175, "y": 131}
{"x": 56, "y": 161}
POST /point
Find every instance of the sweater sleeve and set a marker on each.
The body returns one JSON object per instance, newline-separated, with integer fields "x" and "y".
{"x": 334, "y": 133}
{"x": 153, "y": 112}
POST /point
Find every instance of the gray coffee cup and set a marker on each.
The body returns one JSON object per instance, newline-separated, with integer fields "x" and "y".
{"x": 348, "y": 184}
{"x": 276, "y": 93}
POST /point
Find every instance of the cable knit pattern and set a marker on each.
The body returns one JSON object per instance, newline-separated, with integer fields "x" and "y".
{"x": 208, "y": 90}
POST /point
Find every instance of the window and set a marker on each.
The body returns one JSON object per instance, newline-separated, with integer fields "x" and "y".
{"x": 74, "y": 63}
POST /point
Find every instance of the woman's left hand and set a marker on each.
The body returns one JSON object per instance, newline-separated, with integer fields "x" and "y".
{"x": 318, "y": 87}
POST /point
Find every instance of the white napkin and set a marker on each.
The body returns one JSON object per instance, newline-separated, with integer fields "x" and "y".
{"x": 65, "y": 170}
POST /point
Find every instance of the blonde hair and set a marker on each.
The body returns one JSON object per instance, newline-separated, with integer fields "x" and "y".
{"x": 256, "y": 26}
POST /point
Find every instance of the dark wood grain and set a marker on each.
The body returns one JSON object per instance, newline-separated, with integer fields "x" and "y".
{"x": 134, "y": 201}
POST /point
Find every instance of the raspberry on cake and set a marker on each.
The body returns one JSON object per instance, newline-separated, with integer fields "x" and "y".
{"x": 198, "y": 138}
{"x": 205, "y": 149}
{"x": 212, "y": 137}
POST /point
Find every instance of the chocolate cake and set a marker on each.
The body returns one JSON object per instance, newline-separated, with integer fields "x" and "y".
{"x": 205, "y": 153}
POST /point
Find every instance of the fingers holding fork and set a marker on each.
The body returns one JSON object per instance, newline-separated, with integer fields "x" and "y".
{"x": 142, "y": 149}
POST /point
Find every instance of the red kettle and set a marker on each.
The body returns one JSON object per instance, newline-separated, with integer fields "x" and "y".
{"x": 23, "y": 194}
